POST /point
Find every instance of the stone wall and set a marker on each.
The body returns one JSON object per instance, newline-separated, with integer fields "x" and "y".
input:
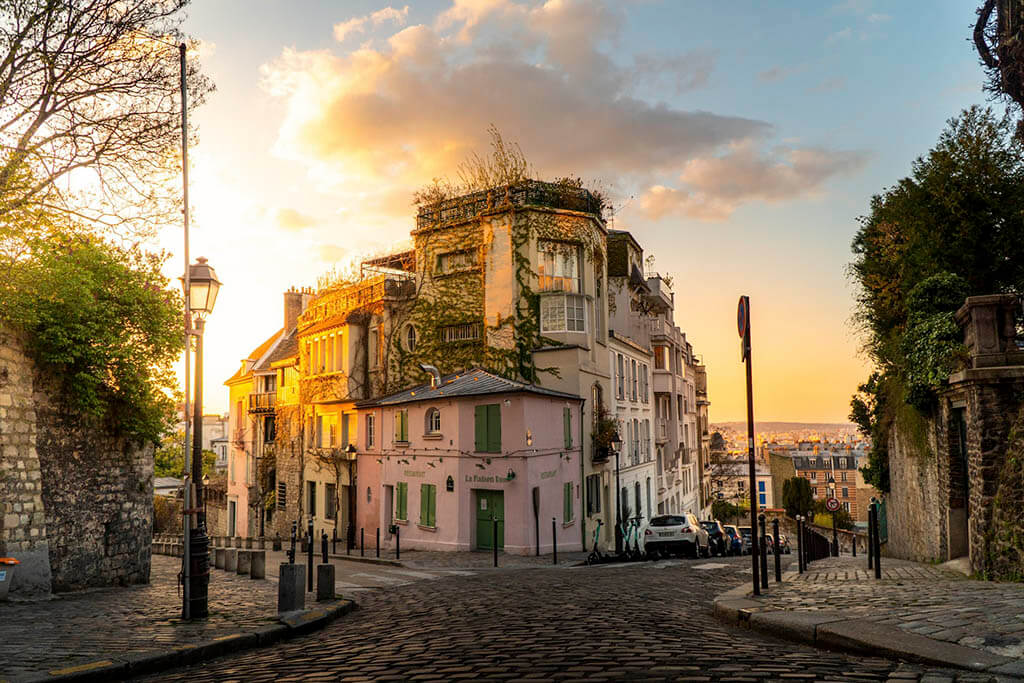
{"x": 22, "y": 520}
{"x": 77, "y": 503}
{"x": 916, "y": 525}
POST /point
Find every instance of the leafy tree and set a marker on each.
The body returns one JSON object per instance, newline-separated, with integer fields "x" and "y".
{"x": 169, "y": 457}
{"x": 823, "y": 517}
{"x": 89, "y": 90}
{"x": 100, "y": 318}
{"x": 954, "y": 228}
{"x": 727, "y": 512}
{"x": 797, "y": 498}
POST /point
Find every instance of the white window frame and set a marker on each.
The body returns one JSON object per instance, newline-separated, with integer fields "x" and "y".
{"x": 558, "y": 267}
{"x": 555, "y": 311}
{"x": 370, "y": 430}
{"x": 433, "y": 421}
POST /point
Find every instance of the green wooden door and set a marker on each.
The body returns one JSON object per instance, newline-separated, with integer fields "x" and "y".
{"x": 490, "y": 505}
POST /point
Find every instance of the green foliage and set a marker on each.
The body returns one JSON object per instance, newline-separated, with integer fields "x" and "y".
{"x": 169, "y": 457}
{"x": 823, "y": 517}
{"x": 953, "y": 229}
{"x": 870, "y": 410}
{"x": 100, "y": 318}
{"x": 166, "y": 515}
{"x": 797, "y": 498}
{"x": 727, "y": 512}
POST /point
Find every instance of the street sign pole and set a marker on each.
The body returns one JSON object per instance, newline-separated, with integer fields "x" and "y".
{"x": 743, "y": 326}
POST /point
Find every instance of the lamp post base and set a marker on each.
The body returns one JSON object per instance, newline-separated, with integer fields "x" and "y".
{"x": 199, "y": 576}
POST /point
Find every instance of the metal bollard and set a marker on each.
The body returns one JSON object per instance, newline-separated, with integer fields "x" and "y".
{"x": 377, "y": 546}
{"x": 799, "y": 544}
{"x": 853, "y": 544}
{"x": 877, "y": 542}
{"x": 291, "y": 551}
{"x": 323, "y": 545}
{"x": 398, "y": 544}
{"x": 362, "y": 541}
{"x": 764, "y": 551}
{"x": 309, "y": 556}
{"x": 778, "y": 551}
{"x": 334, "y": 540}
{"x": 494, "y": 538}
{"x": 871, "y": 541}
{"x": 554, "y": 542}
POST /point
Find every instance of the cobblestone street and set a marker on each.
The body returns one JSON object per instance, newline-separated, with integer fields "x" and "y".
{"x": 917, "y": 598}
{"x": 651, "y": 621}
{"x": 73, "y": 629}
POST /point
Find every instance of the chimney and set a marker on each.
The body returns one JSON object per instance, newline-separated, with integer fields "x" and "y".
{"x": 293, "y": 305}
{"x": 435, "y": 375}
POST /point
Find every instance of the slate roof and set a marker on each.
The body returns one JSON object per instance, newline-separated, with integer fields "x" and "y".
{"x": 474, "y": 382}
{"x": 287, "y": 347}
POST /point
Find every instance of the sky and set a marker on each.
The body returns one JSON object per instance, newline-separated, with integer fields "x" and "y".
{"x": 739, "y": 142}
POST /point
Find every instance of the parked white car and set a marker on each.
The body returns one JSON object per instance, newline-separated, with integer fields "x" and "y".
{"x": 674, "y": 535}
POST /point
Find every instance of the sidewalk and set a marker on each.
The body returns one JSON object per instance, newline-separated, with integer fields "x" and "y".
{"x": 916, "y": 611}
{"x": 114, "y": 632}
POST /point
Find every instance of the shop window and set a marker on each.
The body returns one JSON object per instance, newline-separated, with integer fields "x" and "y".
{"x": 488, "y": 428}
{"x": 401, "y": 500}
{"x": 428, "y": 504}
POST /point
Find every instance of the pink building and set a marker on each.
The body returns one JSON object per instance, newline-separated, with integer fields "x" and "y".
{"x": 444, "y": 460}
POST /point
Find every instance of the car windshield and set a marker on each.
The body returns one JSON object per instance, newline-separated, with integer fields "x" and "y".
{"x": 668, "y": 520}
{"x": 730, "y": 531}
{"x": 709, "y": 526}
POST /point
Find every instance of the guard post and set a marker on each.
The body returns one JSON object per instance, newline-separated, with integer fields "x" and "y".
{"x": 778, "y": 558}
{"x": 764, "y": 551}
{"x": 291, "y": 551}
{"x": 494, "y": 538}
{"x": 309, "y": 555}
{"x": 800, "y": 544}
{"x": 554, "y": 543}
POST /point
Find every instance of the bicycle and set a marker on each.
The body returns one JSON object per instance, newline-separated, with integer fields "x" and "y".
{"x": 596, "y": 556}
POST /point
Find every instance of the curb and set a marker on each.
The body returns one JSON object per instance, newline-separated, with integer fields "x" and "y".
{"x": 845, "y": 631}
{"x": 368, "y": 560}
{"x": 290, "y": 624}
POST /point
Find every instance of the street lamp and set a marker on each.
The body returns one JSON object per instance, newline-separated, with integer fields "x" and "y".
{"x": 202, "y": 288}
{"x": 616, "y": 444}
{"x": 835, "y": 534}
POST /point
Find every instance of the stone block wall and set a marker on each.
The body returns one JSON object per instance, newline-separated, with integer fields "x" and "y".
{"x": 98, "y": 495}
{"x": 916, "y": 522}
{"x": 22, "y": 519}
{"x": 76, "y": 503}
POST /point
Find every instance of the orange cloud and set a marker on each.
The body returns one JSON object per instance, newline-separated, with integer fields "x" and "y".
{"x": 290, "y": 219}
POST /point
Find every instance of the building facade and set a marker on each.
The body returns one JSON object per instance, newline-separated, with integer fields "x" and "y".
{"x": 469, "y": 462}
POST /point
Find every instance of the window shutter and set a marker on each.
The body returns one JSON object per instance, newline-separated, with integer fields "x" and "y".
{"x": 567, "y": 426}
{"x": 424, "y": 504}
{"x": 480, "y": 417}
{"x": 398, "y": 425}
{"x": 431, "y": 505}
{"x": 494, "y": 428}
{"x": 405, "y": 425}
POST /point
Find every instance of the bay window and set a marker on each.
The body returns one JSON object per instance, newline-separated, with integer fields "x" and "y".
{"x": 563, "y": 313}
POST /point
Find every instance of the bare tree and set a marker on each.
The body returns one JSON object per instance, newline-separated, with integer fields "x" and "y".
{"x": 999, "y": 40}
{"x": 89, "y": 115}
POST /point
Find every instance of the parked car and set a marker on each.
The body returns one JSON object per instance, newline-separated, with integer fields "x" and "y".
{"x": 747, "y": 542}
{"x": 716, "y": 536}
{"x": 737, "y": 546}
{"x": 666, "y": 535}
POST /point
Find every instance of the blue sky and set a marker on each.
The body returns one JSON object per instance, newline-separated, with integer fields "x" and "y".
{"x": 740, "y": 141}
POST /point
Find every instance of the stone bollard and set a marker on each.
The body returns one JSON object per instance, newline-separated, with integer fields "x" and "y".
{"x": 291, "y": 587}
{"x": 218, "y": 557}
{"x": 244, "y": 562}
{"x": 231, "y": 560}
{"x": 248, "y": 543}
{"x": 258, "y": 569}
{"x": 324, "y": 582}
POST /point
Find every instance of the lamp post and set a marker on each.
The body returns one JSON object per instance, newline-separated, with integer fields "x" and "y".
{"x": 616, "y": 444}
{"x": 835, "y": 534}
{"x": 202, "y": 288}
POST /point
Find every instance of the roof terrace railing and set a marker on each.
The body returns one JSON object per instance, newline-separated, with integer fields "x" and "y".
{"x": 526, "y": 193}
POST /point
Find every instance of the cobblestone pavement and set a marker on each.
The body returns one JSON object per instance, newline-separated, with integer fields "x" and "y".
{"x": 640, "y": 621}
{"x": 914, "y": 597}
{"x": 425, "y": 559}
{"x": 76, "y": 628}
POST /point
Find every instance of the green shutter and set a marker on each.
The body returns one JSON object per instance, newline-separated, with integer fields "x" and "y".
{"x": 405, "y": 425}
{"x": 430, "y": 493}
{"x": 424, "y": 504}
{"x": 480, "y": 417}
{"x": 567, "y": 502}
{"x": 567, "y": 426}
{"x": 400, "y": 504}
{"x": 494, "y": 428}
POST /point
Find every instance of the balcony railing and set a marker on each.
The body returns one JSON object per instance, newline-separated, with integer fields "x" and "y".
{"x": 262, "y": 402}
{"x": 381, "y": 287}
{"x": 529, "y": 192}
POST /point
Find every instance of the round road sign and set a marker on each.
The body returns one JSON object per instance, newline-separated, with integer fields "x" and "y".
{"x": 742, "y": 315}
{"x": 832, "y": 504}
